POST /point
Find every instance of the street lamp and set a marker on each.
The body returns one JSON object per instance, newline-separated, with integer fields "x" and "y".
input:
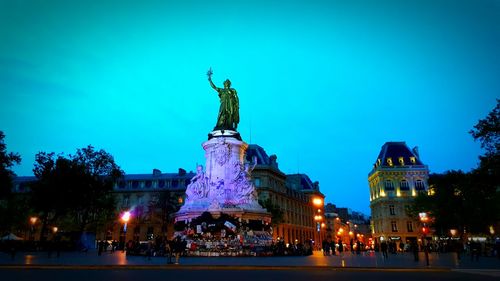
{"x": 32, "y": 229}
{"x": 125, "y": 218}
{"x": 317, "y": 201}
{"x": 424, "y": 218}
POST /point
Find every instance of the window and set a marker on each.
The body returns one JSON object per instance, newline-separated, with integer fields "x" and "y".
{"x": 412, "y": 160}
{"x": 256, "y": 182}
{"x": 394, "y": 226}
{"x": 135, "y": 184}
{"x": 149, "y": 235}
{"x": 409, "y": 225}
{"x": 404, "y": 185}
{"x": 137, "y": 232}
{"x": 125, "y": 201}
{"x": 122, "y": 184}
{"x": 175, "y": 183}
{"x": 388, "y": 185}
{"x": 148, "y": 184}
{"x": 161, "y": 184}
{"x": 391, "y": 210}
{"x": 419, "y": 185}
{"x": 401, "y": 161}
{"x": 389, "y": 161}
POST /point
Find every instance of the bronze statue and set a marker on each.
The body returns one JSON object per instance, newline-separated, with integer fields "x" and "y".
{"x": 229, "y": 115}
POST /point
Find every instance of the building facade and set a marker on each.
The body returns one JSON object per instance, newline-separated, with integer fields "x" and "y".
{"x": 152, "y": 198}
{"x": 398, "y": 175}
{"x": 296, "y": 195}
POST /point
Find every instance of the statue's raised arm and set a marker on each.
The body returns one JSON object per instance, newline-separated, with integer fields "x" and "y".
{"x": 209, "y": 74}
{"x": 229, "y": 115}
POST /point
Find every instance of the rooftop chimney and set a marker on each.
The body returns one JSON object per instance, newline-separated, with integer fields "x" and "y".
{"x": 415, "y": 151}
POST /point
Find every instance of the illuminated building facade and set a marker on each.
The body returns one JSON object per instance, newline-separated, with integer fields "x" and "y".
{"x": 296, "y": 195}
{"x": 398, "y": 175}
{"x": 154, "y": 197}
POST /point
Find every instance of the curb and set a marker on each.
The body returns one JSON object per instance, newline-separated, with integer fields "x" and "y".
{"x": 214, "y": 267}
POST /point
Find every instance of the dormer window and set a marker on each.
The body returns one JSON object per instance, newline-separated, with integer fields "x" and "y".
{"x": 401, "y": 161}
{"x": 388, "y": 185}
{"x": 419, "y": 185}
{"x": 389, "y": 161}
{"x": 404, "y": 185}
{"x": 413, "y": 160}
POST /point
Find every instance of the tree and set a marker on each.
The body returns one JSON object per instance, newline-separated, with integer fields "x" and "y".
{"x": 276, "y": 212}
{"x": 75, "y": 189}
{"x": 7, "y": 160}
{"x": 13, "y": 211}
{"x": 469, "y": 201}
{"x": 487, "y": 131}
{"x": 486, "y": 177}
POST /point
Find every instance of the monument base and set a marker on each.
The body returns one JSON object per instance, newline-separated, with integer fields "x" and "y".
{"x": 224, "y": 133}
{"x": 225, "y": 187}
{"x": 236, "y": 212}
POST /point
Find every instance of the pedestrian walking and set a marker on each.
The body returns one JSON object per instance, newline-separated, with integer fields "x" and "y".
{"x": 332, "y": 245}
{"x": 341, "y": 247}
{"x": 179, "y": 247}
{"x": 326, "y": 248}
{"x": 414, "y": 249}
{"x": 169, "y": 250}
{"x": 475, "y": 248}
{"x": 383, "y": 248}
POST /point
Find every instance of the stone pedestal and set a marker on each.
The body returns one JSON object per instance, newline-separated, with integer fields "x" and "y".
{"x": 225, "y": 186}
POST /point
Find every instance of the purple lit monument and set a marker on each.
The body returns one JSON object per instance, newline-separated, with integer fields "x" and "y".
{"x": 225, "y": 186}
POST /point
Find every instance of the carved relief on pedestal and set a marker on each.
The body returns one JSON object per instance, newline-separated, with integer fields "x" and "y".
{"x": 222, "y": 151}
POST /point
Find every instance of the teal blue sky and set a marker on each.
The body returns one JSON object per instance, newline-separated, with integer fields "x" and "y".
{"x": 322, "y": 84}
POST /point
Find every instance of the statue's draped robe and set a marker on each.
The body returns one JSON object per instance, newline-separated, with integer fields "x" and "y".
{"x": 229, "y": 115}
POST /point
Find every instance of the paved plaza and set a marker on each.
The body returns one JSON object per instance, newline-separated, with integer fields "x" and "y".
{"x": 317, "y": 260}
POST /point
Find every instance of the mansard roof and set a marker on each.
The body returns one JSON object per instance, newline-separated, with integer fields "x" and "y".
{"x": 163, "y": 176}
{"x": 399, "y": 154}
{"x": 256, "y": 150}
{"x": 301, "y": 182}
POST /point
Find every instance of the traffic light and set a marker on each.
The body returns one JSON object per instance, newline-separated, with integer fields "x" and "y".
{"x": 425, "y": 230}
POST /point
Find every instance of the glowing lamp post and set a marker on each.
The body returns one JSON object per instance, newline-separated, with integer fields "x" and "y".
{"x": 318, "y": 204}
{"x": 425, "y": 229}
{"x": 125, "y": 218}
{"x": 33, "y": 221}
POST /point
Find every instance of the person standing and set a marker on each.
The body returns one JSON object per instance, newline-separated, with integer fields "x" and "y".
{"x": 179, "y": 247}
{"x": 414, "y": 249}
{"x": 169, "y": 249}
{"x": 332, "y": 245}
{"x": 383, "y": 248}
{"x": 341, "y": 247}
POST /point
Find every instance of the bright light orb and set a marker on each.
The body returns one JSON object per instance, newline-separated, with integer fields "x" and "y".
{"x": 317, "y": 201}
{"x": 126, "y": 216}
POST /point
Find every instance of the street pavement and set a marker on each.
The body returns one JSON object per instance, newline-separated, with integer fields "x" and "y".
{"x": 486, "y": 266}
{"x": 218, "y": 274}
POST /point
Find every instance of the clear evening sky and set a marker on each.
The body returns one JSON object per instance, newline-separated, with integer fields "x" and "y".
{"x": 322, "y": 84}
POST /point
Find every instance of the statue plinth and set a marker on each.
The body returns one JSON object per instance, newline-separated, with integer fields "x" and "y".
{"x": 226, "y": 185}
{"x": 224, "y": 133}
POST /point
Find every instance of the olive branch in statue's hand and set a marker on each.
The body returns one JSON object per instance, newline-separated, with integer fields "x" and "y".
{"x": 209, "y": 73}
